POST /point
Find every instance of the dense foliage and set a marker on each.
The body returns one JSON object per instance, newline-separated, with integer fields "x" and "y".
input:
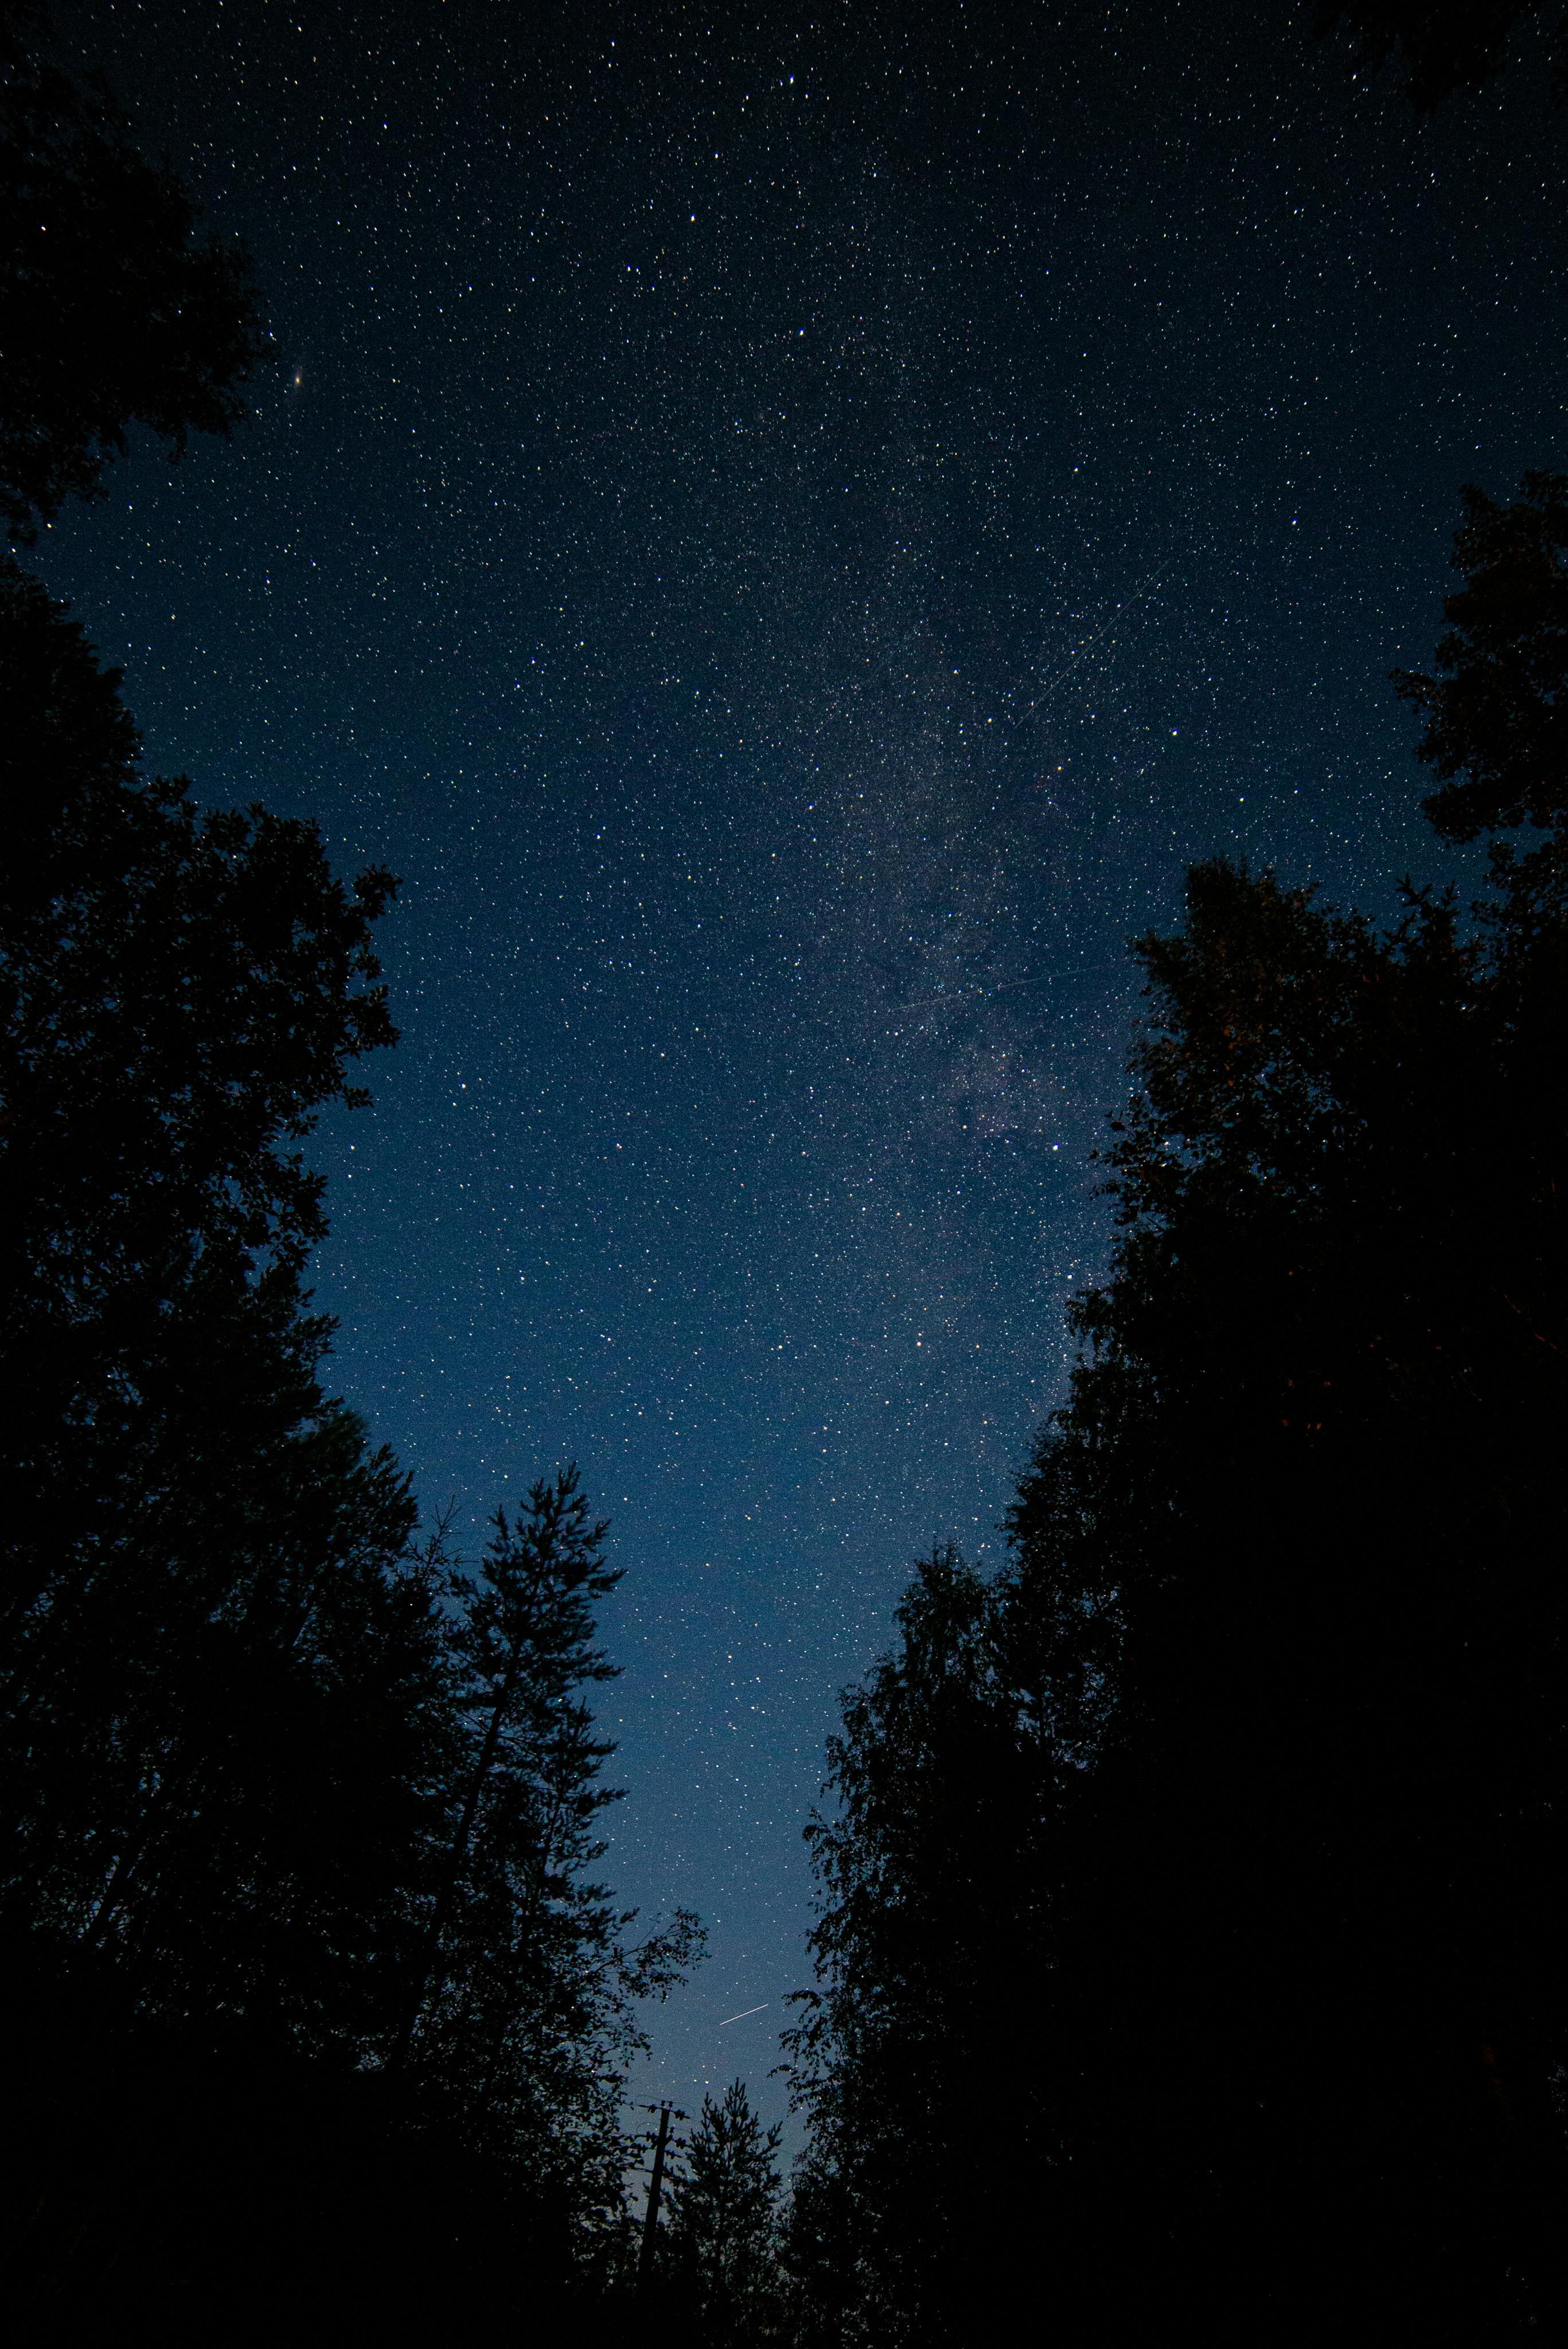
{"x": 1257, "y": 1803}
{"x": 279, "y": 1790}
{"x": 950, "y": 1775}
{"x": 111, "y": 312}
{"x": 314, "y": 1984}
{"x": 202, "y": 1555}
{"x": 1190, "y": 1939}
{"x": 719, "y": 2254}
{"x": 525, "y": 2005}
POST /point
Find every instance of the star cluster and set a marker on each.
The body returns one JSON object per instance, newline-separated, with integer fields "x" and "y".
{"x": 789, "y": 534}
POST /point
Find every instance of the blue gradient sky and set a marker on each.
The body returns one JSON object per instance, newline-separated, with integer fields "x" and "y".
{"x": 789, "y": 533}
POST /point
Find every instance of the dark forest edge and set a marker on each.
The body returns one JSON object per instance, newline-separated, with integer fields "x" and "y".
{"x": 299, "y": 1896}
{"x": 1190, "y": 1938}
{"x": 322, "y": 2017}
{"x": 1204, "y": 1867}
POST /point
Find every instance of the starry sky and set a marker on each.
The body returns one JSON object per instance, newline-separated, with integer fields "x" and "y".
{"x": 789, "y": 528}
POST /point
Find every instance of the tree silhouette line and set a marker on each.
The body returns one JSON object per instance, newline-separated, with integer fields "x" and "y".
{"x": 323, "y": 2016}
{"x": 1188, "y": 1943}
{"x": 1190, "y": 1915}
{"x": 1190, "y": 1926}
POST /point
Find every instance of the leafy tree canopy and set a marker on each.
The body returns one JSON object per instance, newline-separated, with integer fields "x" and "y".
{"x": 1496, "y": 712}
{"x": 113, "y": 311}
{"x": 1271, "y": 1686}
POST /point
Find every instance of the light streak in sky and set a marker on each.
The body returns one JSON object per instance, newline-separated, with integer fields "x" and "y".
{"x": 741, "y": 2016}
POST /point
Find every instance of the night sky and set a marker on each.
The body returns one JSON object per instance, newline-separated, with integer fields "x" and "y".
{"x": 790, "y": 531}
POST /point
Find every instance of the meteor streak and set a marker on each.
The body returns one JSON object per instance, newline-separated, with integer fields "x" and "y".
{"x": 742, "y": 2014}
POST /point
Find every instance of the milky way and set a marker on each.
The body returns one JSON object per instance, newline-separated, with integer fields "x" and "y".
{"x": 789, "y": 536}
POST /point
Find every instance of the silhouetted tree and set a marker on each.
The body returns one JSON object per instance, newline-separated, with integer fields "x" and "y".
{"x": 1444, "y": 46}
{"x": 203, "y": 1556}
{"x": 1297, "y": 1539}
{"x": 722, "y": 2242}
{"x": 954, "y": 1782}
{"x": 250, "y": 1749}
{"x": 1497, "y": 715}
{"x": 259, "y": 1781}
{"x": 1314, "y": 1431}
{"x": 111, "y": 312}
{"x": 526, "y": 2011}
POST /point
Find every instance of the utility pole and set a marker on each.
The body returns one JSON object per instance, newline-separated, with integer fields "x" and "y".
{"x": 655, "y": 2186}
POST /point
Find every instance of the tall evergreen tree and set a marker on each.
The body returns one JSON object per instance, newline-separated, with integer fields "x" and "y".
{"x": 525, "y": 2012}
{"x": 723, "y": 2238}
{"x": 251, "y": 1745}
{"x": 259, "y": 1778}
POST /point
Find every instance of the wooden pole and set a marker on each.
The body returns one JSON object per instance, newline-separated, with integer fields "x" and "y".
{"x": 650, "y": 2216}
